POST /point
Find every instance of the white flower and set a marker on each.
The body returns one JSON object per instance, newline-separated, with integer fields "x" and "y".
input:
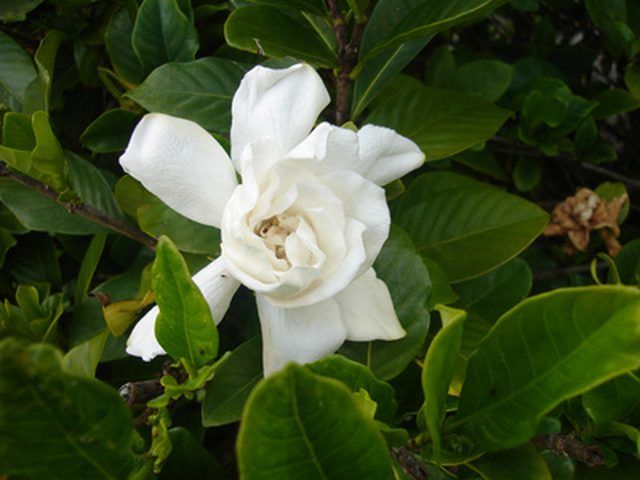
{"x": 302, "y": 229}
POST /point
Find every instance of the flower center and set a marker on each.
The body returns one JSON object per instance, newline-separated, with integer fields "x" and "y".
{"x": 274, "y": 232}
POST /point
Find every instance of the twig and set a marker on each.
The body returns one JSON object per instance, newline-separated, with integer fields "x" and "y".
{"x": 82, "y": 209}
{"x": 411, "y": 466}
{"x": 588, "y": 453}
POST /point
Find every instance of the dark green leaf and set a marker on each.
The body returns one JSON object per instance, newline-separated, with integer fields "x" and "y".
{"x": 356, "y": 376}
{"x": 523, "y": 463}
{"x": 613, "y": 400}
{"x": 162, "y": 33}
{"x": 466, "y": 226}
{"x": 7, "y": 241}
{"x": 313, "y": 6}
{"x": 441, "y": 122}
{"x": 88, "y": 266}
{"x": 407, "y": 279}
{"x": 110, "y": 132}
{"x": 56, "y": 426}
{"x": 16, "y": 72}
{"x": 227, "y": 393}
{"x": 82, "y": 360}
{"x": 527, "y": 174}
{"x": 117, "y": 40}
{"x": 184, "y": 327}
{"x": 15, "y": 10}
{"x": 535, "y": 357}
{"x": 298, "y": 425}
{"x": 268, "y": 31}
{"x": 38, "y": 93}
{"x": 628, "y": 263}
{"x": 614, "y": 102}
{"x": 486, "y": 79}
{"x": 189, "y": 459}
{"x": 200, "y": 91}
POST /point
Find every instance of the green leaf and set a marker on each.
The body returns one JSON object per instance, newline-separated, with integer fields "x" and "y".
{"x": 300, "y": 425}
{"x": 156, "y": 219}
{"x": 7, "y": 241}
{"x": 57, "y": 426}
{"x": 313, "y": 6}
{"x": 16, "y": 72}
{"x": 614, "y": 102}
{"x": 189, "y": 459}
{"x": 110, "y": 132}
{"x": 227, "y": 393}
{"x": 16, "y": 10}
{"x": 486, "y": 79}
{"x": 535, "y": 357}
{"x": 632, "y": 79}
{"x": 527, "y": 173}
{"x": 523, "y": 463}
{"x": 438, "y": 370}
{"x": 466, "y": 226}
{"x": 184, "y": 327}
{"x": 268, "y": 31}
{"x": 441, "y": 122}
{"x": 356, "y": 376}
{"x": 628, "y": 263}
{"x": 88, "y": 266}
{"x": 117, "y": 40}
{"x": 200, "y": 91}
{"x": 82, "y": 360}
{"x": 38, "y": 93}
{"x": 162, "y": 33}
{"x": 407, "y": 279}
{"x": 427, "y": 17}
{"x": 613, "y": 400}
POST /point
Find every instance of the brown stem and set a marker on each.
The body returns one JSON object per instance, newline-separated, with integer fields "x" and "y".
{"x": 82, "y": 209}
{"x": 411, "y": 466}
{"x": 588, "y": 453}
{"x": 347, "y": 58}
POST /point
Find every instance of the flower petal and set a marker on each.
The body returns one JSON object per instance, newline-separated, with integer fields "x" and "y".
{"x": 367, "y": 310}
{"x": 277, "y": 105}
{"x": 299, "y": 335}
{"x": 217, "y": 286}
{"x": 377, "y": 153}
{"x": 178, "y": 161}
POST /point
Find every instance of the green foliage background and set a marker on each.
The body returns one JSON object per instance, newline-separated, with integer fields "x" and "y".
{"x": 520, "y": 361}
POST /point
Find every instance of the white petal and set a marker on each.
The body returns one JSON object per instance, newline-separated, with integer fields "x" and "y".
{"x": 299, "y": 335}
{"x": 377, "y": 153}
{"x": 385, "y": 155}
{"x": 142, "y": 341}
{"x": 178, "y": 161}
{"x": 217, "y": 286}
{"x": 367, "y": 310}
{"x": 277, "y": 105}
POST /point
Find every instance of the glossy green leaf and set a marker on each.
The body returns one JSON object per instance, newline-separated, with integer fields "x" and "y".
{"x": 613, "y": 400}
{"x": 407, "y": 279}
{"x": 486, "y": 79}
{"x": 200, "y": 91}
{"x": 117, "y": 40}
{"x": 184, "y": 327}
{"x": 441, "y": 122}
{"x": 15, "y": 10}
{"x": 523, "y": 463}
{"x": 16, "y": 72}
{"x": 466, "y": 226}
{"x": 535, "y": 357}
{"x": 57, "y": 426}
{"x": 438, "y": 370}
{"x": 268, "y": 31}
{"x": 156, "y": 219}
{"x": 110, "y": 132}
{"x": 356, "y": 376}
{"x": 162, "y": 33}
{"x": 427, "y": 17}
{"x": 298, "y": 425}
{"x": 227, "y": 392}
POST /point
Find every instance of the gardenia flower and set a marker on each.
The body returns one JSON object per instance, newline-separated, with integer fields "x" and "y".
{"x": 302, "y": 229}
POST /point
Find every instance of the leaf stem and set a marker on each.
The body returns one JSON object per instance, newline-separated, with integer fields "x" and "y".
{"x": 82, "y": 209}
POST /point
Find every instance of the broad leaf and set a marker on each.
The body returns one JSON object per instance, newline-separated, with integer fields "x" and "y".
{"x": 189, "y": 459}
{"x": 407, "y": 279}
{"x": 438, "y": 370}
{"x": 356, "y": 376}
{"x": 110, "y": 132}
{"x": 57, "y": 426}
{"x": 441, "y": 122}
{"x": 535, "y": 357}
{"x": 466, "y": 226}
{"x": 16, "y": 72}
{"x": 200, "y": 91}
{"x": 304, "y": 426}
{"x": 486, "y": 79}
{"x": 523, "y": 463}
{"x": 228, "y": 391}
{"x": 613, "y": 400}
{"x": 268, "y": 31}
{"x": 162, "y": 33}
{"x": 117, "y": 40}
{"x": 184, "y": 327}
